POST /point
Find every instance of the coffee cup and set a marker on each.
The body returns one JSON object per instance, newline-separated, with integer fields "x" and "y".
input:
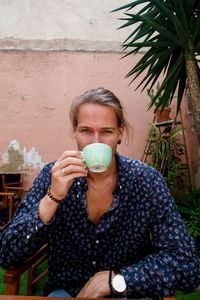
{"x": 97, "y": 157}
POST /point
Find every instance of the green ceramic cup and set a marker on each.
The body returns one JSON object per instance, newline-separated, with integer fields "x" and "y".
{"x": 97, "y": 157}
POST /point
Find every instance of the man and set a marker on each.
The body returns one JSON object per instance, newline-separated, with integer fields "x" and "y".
{"x": 112, "y": 233}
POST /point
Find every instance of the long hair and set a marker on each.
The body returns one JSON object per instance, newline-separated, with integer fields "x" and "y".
{"x": 103, "y": 97}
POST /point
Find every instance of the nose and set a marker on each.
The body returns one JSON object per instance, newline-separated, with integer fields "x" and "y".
{"x": 96, "y": 138}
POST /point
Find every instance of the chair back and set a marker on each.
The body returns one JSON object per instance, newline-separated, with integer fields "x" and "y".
{"x": 13, "y": 183}
{"x": 36, "y": 268}
{"x": 6, "y": 208}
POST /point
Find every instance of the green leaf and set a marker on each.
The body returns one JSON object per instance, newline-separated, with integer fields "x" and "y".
{"x": 157, "y": 27}
{"x": 165, "y": 30}
{"x": 130, "y": 5}
{"x": 182, "y": 34}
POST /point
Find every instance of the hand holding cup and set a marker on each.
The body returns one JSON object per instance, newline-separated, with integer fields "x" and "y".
{"x": 69, "y": 166}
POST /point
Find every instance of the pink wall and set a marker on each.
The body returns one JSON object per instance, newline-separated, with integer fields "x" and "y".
{"x": 36, "y": 90}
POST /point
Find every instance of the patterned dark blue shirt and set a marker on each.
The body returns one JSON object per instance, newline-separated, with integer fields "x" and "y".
{"x": 142, "y": 235}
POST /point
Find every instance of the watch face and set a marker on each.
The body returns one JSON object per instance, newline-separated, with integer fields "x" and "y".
{"x": 118, "y": 283}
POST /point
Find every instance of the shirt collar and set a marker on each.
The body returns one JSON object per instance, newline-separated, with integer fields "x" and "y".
{"x": 122, "y": 161}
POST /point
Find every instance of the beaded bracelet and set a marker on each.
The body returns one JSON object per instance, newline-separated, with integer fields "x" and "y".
{"x": 52, "y": 197}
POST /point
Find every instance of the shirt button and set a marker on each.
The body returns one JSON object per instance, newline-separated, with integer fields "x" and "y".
{"x": 28, "y": 236}
{"x": 97, "y": 241}
{"x": 94, "y": 262}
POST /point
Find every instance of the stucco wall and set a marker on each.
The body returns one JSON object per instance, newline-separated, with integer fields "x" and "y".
{"x": 51, "y": 51}
{"x": 61, "y": 25}
{"x": 36, "y": 89}
{"x": 64, "y": 47}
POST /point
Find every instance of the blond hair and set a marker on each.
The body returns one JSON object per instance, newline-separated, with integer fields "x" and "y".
{"x": 103, "y": 97}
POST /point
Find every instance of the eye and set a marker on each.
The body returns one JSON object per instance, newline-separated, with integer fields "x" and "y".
{"x": 86, "y": 130}
{"x": 107, "y": 132}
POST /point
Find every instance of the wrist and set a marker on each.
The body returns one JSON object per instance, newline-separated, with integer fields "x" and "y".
{"x": 117, "y": 284}
{"x": 54, "y": 197}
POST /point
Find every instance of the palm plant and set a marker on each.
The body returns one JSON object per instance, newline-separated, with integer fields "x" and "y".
{"x": 169, "y": 33}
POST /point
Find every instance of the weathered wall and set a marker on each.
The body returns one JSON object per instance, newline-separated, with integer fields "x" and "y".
{"x": 61, "y": 25}
{"x": 50, "y": 52}
{"x": 36, "y": 89}
{"x": 63, "y": 48}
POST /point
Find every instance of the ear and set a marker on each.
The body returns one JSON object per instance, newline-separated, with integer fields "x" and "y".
{"x": 121, "y": 132}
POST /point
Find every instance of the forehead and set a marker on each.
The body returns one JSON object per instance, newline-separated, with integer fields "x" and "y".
{"x": 96, "y": 114}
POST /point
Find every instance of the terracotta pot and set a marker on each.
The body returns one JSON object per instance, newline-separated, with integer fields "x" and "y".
{"x": 162, "y": 116}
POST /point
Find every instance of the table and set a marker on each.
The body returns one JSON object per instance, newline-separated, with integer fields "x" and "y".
{"x": 12, "y": 297}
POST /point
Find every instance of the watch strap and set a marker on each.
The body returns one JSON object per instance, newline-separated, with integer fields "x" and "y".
{"x": 110, "y": 282}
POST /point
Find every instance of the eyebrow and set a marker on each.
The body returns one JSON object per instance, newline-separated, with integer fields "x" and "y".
{"x": 110, "y": 128}
{"x": 103, "y": 128}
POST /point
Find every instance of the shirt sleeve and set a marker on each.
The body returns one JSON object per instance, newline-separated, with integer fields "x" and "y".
{"x": 174, "y": 264}
{"x": 25, "y": 233}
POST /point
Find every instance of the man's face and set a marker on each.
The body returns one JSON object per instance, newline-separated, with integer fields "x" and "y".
{"x": 97, "y": 124}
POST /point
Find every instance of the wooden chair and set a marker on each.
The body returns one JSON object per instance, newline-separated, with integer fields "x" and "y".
{"x": 12, "y": 277}
{"x": 6, "y": 208}
{"x": 13, "y": 183}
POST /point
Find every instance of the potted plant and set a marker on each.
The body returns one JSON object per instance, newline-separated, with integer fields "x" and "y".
{"x": 166, "y": 153}
{"x": 162, "y": 113}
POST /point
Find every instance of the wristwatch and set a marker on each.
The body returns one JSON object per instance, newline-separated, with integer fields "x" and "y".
{"x": 118, "y": 284}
